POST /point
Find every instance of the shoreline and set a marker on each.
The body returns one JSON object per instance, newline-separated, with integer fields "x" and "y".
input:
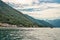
{"x": 27, "y": 28}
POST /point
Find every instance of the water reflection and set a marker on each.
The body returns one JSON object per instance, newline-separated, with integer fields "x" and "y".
{"x": 10, "y": 35}
{"x": 30, "y": 34}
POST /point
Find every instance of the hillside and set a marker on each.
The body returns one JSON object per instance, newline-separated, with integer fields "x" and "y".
{"x": 55, "y": 22}
{"x": 40, "y": 22}
{"x": 14, "y": 17}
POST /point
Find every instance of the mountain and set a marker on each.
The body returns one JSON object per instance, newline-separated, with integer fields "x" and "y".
{"x": 55, "y": 22}
{"x": 14, "y": 17}
{"x": 40, "y": 22}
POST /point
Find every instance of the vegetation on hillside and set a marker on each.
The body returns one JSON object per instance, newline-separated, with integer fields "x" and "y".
{"x": 14, "y": 17}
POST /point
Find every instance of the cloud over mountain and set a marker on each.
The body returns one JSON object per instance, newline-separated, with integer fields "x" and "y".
{"x": 40, "y": 8}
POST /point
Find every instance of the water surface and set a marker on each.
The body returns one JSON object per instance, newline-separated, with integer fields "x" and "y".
{"x": 30, "y": 34}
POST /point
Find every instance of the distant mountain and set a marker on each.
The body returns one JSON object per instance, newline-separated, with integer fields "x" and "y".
{"x": 55, "y": 22}
{"x": 40, "y": 22}
{"x": 14, "y": 17}
{"x": 49, "y": 1}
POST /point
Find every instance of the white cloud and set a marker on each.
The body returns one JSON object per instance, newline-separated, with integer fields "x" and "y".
{"x": 47, "y": 10}
{"x": 19, "y": 1}
{"x": 45, "y": 14}
{"x": 50, "y": 14}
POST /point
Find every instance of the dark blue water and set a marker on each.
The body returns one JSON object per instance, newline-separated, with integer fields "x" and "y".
{"x": 10, "y": 34}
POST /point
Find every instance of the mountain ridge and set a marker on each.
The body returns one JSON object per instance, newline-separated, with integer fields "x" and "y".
{"x": 55, "y": 22}
{"x": 12, "y": 16}
{"x": 40, "y": 22}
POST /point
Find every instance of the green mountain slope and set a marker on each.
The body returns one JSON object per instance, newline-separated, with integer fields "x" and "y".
{"x": 12, "y": 16}
{"x": 40, "y": 22}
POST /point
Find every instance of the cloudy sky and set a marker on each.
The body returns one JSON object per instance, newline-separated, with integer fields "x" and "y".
{"x": 29, "y": 1}
{"x": 49, "y": 9}
{"x": 19, "y": 1}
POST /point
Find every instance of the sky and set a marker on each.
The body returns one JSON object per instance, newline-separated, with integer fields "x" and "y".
{"x": 29, "y": 1}
{"x": 19, "y": 1}
{"x": 49, "y": 9}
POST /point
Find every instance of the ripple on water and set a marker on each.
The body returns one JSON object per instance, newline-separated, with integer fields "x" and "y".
{"x": 29, "y": 34}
